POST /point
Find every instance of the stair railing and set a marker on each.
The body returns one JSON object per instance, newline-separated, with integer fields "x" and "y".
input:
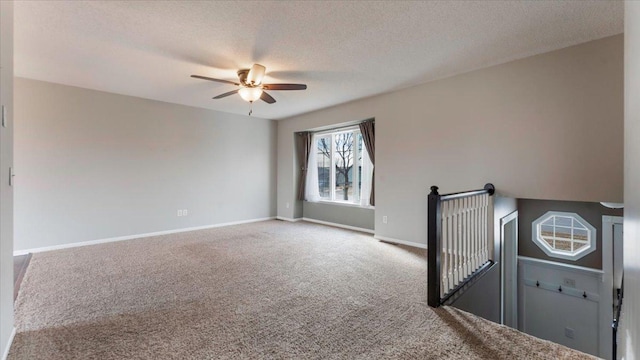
{"x": 459, "y": 247}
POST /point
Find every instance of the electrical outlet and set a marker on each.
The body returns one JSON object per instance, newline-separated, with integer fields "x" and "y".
{"x": 384, "y": 219}
{"x": 179, "y": 212}
{"x": 287, "y": 205}
{"x": 569, "y": 332}
{"x": 185, "y": 212}
{"x": 569, "y": 282}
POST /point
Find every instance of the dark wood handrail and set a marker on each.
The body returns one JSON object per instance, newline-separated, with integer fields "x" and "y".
{"x": 488, "y": 189}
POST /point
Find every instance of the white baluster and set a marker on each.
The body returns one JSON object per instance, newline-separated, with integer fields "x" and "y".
{"x": 474, "y": 233}
{"x": 485, "y": 255}
{"x": 479, "y": 232}
{"x": 481, "y": 241}
{"x": 456, "y": 241}
{"x": 460, "y": 240}
{"x": 463, "y": 219}
{"x": 467, "y": 237}
{"x": 450, "y": 240}
{"x": 488, "y": 231}
{"x": 443, "y": 255}
{"x": 479, "y": 228}
{"x": 469, "y": 232}
{"x": 463, "y": 237}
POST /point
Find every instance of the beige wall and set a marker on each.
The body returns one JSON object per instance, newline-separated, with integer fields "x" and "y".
{"x": 6, "y": 161}
{"x": 545, "y": 127}
{"x": 630, "y": 331}
{"x": 95, "y": 165}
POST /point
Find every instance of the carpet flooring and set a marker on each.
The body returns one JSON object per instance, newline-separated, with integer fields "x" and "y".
{"x": 268, "y": 290}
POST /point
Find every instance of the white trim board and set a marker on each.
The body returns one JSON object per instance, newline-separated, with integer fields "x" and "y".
{"x": 510, "y": 298}
{"x": 401, "y": 242}
{"x": 348, "y": 227}
{"x": 555, "y": 265}
{"x": 606, "y": 310}
{"x": 613, "y": 219}
{"x": 508, "y": 218}
{"x": 288, "y": 219}
{"x": 136, "y": 236}
{"x": 338, "y": 203}
{"x": 5, "y": 353}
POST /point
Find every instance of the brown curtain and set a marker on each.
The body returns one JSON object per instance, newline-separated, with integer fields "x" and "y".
{"x": 367, "y": 129}
{"x": 304, "y": 147}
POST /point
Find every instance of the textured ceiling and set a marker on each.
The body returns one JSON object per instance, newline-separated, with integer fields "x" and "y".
{"x": 342, "y": 50}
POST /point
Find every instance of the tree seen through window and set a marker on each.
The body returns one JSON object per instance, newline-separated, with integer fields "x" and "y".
{"x": 342, "y": 153}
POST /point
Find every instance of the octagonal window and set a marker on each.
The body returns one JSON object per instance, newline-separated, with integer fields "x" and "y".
{"x": 564, "y": 235}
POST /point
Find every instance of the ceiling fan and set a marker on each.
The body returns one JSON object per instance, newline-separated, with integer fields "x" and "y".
{"x": 250, "y": 85}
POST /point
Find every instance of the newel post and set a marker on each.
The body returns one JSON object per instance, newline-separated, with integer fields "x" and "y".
{"x": 434, "y": 247}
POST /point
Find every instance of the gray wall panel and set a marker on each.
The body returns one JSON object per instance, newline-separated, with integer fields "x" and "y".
{"x": 340, "y": 214}
{"x": 95, "y": 165}
{"x": 530, "y": 210}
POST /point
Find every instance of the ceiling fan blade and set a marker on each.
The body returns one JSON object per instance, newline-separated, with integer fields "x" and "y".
{"x": 256, "y": 74}
{"x": 212, "y": 79}
{"x": 226, "y": 94}
{"x": 284, "y": 86}
{"x": 267, "y": 98}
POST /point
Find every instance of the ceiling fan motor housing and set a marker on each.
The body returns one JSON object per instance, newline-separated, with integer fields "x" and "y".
{"x": 242, "y": 75}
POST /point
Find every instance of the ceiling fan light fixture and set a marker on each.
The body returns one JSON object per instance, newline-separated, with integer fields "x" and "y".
{"x": 250, "y": 86}
{"x": 250, "y": 94}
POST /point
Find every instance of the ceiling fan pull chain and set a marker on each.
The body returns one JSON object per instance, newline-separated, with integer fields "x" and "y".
{"x": 251, "y": 108}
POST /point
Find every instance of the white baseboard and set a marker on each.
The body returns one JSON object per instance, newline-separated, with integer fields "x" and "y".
{"x": 137, "y": 236}
{"x": 287, "y": 219}
{"x": 5, "y": 353}
{"x": 398, "y": 241}
{"x": 369, "y": 231}
{"x": 559, "y": 266}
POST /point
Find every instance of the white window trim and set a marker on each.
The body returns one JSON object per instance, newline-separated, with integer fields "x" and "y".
{"x": 563, "y": 254}
{"x": 342, "y": 203}
{"x": 332, "y": 177}
{"x": 338, "y": 130}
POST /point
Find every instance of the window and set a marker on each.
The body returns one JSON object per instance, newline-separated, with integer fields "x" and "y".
{"x": 564, "y": 235}
{"x": 342, "y": 166}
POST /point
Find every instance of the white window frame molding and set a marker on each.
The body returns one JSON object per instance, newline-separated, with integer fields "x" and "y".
{"x": 561, "y": 254}
{"x": 356, "y": 176}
